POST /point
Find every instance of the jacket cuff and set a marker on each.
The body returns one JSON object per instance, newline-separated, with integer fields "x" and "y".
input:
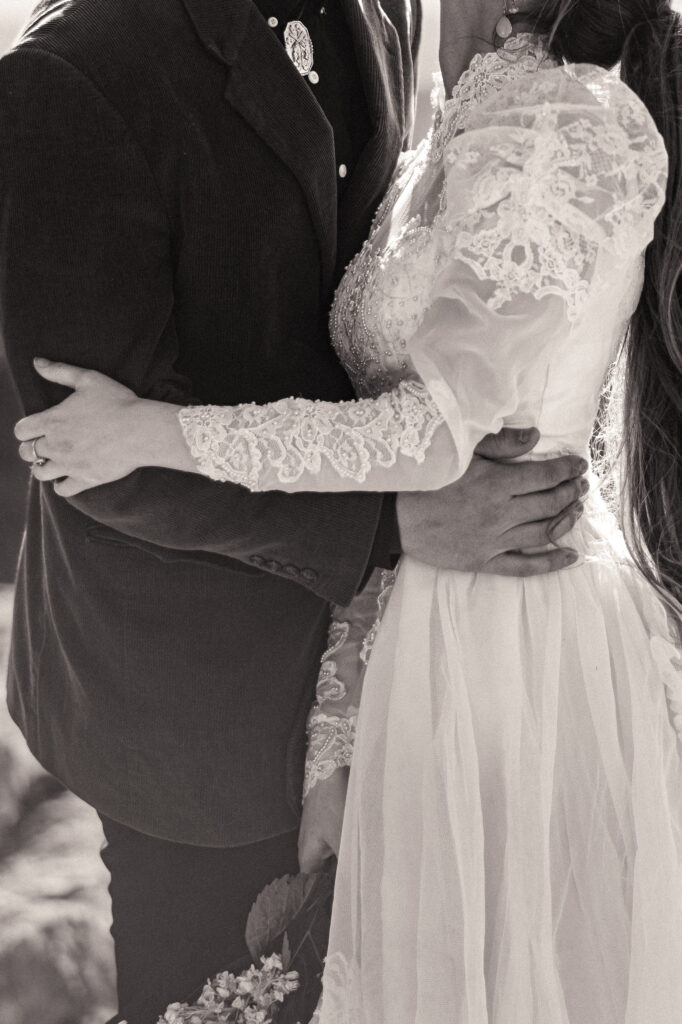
{"x": 386, "y": 549}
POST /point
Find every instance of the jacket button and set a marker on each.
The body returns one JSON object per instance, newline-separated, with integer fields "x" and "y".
{"x": 273, "y": 566}
{"x": 308, "y": 574}
{"x": 257, "y": 560}
{"x": 291, "y": 570}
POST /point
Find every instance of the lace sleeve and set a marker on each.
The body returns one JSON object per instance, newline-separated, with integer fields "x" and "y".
{"x": 561, "y": 174}
{"x": 298, "y": 444}
{"x": 332, "y": 720}
{"x": 555, "y": 184}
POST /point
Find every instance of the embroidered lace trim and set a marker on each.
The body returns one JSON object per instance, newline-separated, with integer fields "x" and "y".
{"x": 295, "y": 436}
{"x": 329, "y": 686}
{"x": 487, "y": 74}
{"x": 388, "y": 578}
{"x": 331, "y": 739}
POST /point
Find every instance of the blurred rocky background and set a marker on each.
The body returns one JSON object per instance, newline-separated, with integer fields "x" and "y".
{"x": 56, "y": 963}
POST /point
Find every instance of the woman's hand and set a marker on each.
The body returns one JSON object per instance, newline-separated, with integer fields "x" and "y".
{"x": 320, "y": 834}
{"x": 100, "y": 433}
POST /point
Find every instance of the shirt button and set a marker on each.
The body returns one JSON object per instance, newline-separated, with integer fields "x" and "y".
{"x": 343, "y": 170}
{"x": 313, "y": 77}
{"x": 273, "y": 22}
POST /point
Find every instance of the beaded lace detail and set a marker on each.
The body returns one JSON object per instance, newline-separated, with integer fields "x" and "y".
{"x": 388, "y": 579}
{"x": 295, "y": 436}
{"x": 329, "y": 686}
{"x": 331, "y": 739}
{"x": 332, "y": 720}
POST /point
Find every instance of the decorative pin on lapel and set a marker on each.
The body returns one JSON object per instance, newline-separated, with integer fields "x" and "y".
{"x": 299, "y": 46}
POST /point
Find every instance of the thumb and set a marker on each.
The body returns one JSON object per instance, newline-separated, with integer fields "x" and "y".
{"x": 313, "y": 853}
{"x": 509, "y": 443}
{"x": 74, "y": 377}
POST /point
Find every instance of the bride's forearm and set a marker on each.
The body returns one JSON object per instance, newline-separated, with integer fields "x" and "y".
{"x": 159, "y": 437}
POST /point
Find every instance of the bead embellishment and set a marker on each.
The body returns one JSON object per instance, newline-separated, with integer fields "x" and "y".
{"x": 245, "y": 443}
{"x": 331, "y": 739}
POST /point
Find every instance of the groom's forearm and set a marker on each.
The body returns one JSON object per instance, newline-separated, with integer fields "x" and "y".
{"x": 85, "y": 277}
{"x": 318, "y": 541}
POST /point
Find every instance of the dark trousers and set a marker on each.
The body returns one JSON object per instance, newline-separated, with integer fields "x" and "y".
{"x": 179, "y": 912}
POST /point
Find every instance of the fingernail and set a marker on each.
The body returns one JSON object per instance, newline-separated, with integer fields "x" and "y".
{"x": 584, "y": 486}
{"x": 523, "y": 436}
{"x": 583, "y": 467}
{"x": 42, "y": 363}
{"x": 571, "y": 557}
{"x": 579, "y": 510}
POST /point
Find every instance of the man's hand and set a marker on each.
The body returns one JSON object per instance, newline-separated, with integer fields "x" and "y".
{"x": 486, "y": 520}
{"x": 321, "y": 823}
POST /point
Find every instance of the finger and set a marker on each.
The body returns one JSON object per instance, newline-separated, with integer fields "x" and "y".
{"x": 68, "y": 376}
{"x": 69, "y": 486}
{"x": 509, "y": 443}
{"x": 27, "y": 453}
{"x": 563, "y": 524}
{"x": 32, "y": 426}
{"x": 50, "y": 471}
{"x": 546, "y": 531}
{"x": 545, "y": 474}
{"x": 548, "y": 504}
{"x": 313, "y": 854}
{"x": 516, "y": 563}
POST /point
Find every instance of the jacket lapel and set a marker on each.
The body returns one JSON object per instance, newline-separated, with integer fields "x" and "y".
{"x": 268, "y": 92}
{"x": 264, "y": 87}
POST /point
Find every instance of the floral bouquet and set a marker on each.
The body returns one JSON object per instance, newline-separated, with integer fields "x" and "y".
{"x": 286, "y": 935}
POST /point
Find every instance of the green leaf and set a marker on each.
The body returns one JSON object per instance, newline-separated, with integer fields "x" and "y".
{"x": 277, "y": 904}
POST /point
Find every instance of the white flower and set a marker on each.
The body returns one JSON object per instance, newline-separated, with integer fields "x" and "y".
{"x": 253, "y": 1016}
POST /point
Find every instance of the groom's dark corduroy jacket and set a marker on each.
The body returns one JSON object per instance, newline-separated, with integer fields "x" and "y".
{"x": 168, "y": 215}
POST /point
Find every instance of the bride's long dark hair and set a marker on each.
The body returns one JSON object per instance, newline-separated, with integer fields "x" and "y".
{"x": 646, "y": 37}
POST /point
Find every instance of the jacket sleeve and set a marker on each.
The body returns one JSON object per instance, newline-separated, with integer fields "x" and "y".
{"x": 86, "y": 276}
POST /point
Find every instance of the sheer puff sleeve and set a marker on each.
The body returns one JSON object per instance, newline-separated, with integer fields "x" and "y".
{"x": 556, "y": 172}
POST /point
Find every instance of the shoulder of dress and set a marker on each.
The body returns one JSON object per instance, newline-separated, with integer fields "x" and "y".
{"x": 574, "y": 91}
{"x": 563, "y": 111}
{"x": 571, "y": 140}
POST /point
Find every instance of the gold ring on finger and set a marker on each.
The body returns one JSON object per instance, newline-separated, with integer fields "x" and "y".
{"x": 38, "y": 460}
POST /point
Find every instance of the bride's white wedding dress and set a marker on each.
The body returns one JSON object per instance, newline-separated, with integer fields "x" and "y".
{"x": 512, "y": 850}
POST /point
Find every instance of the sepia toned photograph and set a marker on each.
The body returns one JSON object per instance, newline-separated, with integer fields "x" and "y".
{"x": 341, "y": 511}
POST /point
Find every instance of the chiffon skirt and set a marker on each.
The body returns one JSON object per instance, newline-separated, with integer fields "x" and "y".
{"x": 512, "y": 848}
